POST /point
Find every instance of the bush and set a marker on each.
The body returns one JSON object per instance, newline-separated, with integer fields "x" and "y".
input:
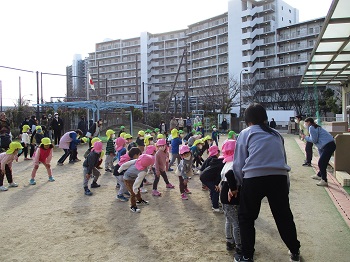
{"x": 153, "y": 118}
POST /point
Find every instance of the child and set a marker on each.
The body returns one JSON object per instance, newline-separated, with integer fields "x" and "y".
{"x": 140, "y": 140}
{"x": 6, "y": 159}
{"x": 229, "y": 202}
{"x": 133, "y": 154}
{"x": 25, "y": 141}
{"x": 215, "y": 135}
{"x": 89, "y": 167}
{"x": 73, "y": 147}
{"x": 110, "y": 151}
{"x": 160, "y": 167}
{"x": 68, "y": 143}
{"x": 176, "y": 141}
{"x": 43, "y": 155}
{"x": 195, "y": 150}
{"x": 130, "y": 175}
{"x": 211, "y": 178}
{"x": 39, "y": 134}
{"x": 184, "y": 170}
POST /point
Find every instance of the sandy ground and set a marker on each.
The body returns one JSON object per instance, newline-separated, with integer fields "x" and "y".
{"x": 57, "y": 222}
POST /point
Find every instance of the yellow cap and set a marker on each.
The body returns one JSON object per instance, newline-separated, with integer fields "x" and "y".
{"x": 160, "y": 136}
{"x": 85, "y": 139}
{"x": 207, "y": 138}
{"x": 13, "y": 146}
{"x": 46, "y": 141}
{"x": 95, "y": 139}
{"x": 122, "y": 134}
{"x": 147, "y": 137}
{"x": 25, "y": 128}
{"x": 38, "y": 127}
{"x": 174, "y": 133}
{"x": 127, "y": 136}
{"x": 109, "y": 132}
{"x": 141, "y": 133}
{"x": 198, "y": 141}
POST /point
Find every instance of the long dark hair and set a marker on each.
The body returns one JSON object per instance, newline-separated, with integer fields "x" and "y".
{"x": 312, "y": 122}
{"x": 256, "y": 114}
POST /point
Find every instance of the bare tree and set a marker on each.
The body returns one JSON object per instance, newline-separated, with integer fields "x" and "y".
{"x": 220, "y": 96}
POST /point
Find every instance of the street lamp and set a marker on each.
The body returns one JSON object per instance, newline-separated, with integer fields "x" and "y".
{"x": 240, "y": 91}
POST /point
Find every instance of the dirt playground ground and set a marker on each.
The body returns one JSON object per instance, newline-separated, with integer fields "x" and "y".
{"x": 57, "y": 222}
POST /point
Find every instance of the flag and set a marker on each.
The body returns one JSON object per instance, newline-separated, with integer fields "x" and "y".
{"x": 91, "y": 83}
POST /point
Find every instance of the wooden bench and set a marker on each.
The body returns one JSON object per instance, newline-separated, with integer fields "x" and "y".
{"x": 343, "y": 177}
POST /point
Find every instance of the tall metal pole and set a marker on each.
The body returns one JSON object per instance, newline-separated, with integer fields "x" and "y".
{"x": 37, "y": 95}
{"x": 41, "y": 85}
{"x": 186, "y": 85}
{"x": 137, "y": 81}
{"x": 106, "y": 90}
{"x": 98, "y": 80}
{"x": 143, "y": 102}
{"x": 240, "y": 91}
{"x": 19, "y": 92}
{"x": 87, "y": 97}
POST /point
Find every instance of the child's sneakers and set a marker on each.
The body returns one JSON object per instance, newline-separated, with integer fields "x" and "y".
{"x": 51, "y": 179}
{"x": 88, "y": 192}
{"x": 143, "y": 202}
{"x": 122, "y": 198}
{"x": 3, "y": 188}
{"x": 135, "y": 209}
{"x": 13, "y": 184}
{"x": 184, "y": 196}
{"x": 155, "y": 192}
{"x": 32, "y": 181}
{"x": 170, "y": 186}
{"x": 143, "y": 190}
{"x": 187, "y": 191}
{"x": 94, "y": 185}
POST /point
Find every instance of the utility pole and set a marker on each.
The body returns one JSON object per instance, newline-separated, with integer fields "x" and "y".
{"x": 37, "y": 95}
{"x": 98, "y": 80}
{"x": 136, "y": 81}
{"x": 186, "y": 84}
{"x": 41, "y": 85}
{"x": 19, "y": 92}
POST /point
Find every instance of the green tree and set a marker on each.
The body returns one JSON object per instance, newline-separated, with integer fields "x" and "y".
{"x": 329, "y": 102}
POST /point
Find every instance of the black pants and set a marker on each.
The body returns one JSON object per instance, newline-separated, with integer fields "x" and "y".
{"x": 8, "y": 175}
{"x": 25, "y": 150}
{"x": 156, "y": 178}
{"x": 57, "y": 135}
{"x": 308, "y": 151}
{"x": 67, "y": 153}
{"x": 276, "y": 189}
{"x": 325, "y": 155}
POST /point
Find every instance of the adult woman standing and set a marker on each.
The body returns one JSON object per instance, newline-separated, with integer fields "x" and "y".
{"x": 262, "y": 172}
{"x": 324, "y": 141}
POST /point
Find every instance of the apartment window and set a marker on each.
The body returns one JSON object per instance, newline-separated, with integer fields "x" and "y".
{"x": 311, "y": 30}
{"x": 282, "y": 18}
{"x": 282, "y": 7}
{"x": 290, "y": 21}
{"x": 298, "y": 32}
{"x": 311, "y": 42}
{"x": 290, "y": 11}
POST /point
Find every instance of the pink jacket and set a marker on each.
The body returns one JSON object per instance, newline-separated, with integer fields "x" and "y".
{"x": 6, "y": 159}
{"x": 65, "y": 140}
{"x": 161, "y": 160}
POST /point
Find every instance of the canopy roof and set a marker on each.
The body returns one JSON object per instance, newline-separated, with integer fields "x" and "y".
{"x": 330, "y": 58}
{"x": 93, "y": 105}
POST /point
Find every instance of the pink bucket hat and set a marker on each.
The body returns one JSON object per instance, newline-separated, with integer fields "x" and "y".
{"x": 213, "y": 150}
{"x": 144, "y": 161}
{"x": 184, "y": 149}
{"x": 119, "y": 143}
{"x": 98, "y": 146}
{"x": 161, "y": 142}
{"x": 228, "y": 150}
{"x": 150, "y": 149}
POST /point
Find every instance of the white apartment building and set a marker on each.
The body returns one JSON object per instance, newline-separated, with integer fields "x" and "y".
{"x": 255, "y": 40}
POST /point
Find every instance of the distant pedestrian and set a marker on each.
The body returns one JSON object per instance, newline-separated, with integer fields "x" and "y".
{"x": 82, "y": 125}
{"x": 224, "y": 126}
{"x": 308, "y": 145}
{"x": 188, "y": 125}
{"x": 181, "y": 123}
{"x": 57, "y": 127}
{"x": 273, "y": 123}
